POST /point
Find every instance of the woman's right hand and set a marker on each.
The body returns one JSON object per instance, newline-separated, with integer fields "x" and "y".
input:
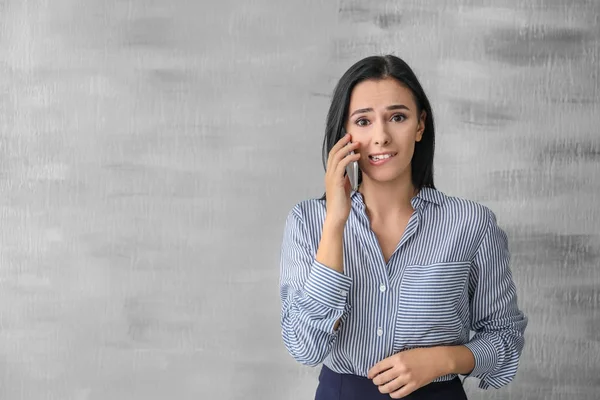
{"x": 337, "y": 185}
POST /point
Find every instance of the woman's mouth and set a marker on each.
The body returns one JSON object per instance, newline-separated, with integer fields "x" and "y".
{"x": 380, "y": 159}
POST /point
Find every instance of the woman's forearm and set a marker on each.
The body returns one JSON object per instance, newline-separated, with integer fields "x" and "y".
{"x": 331, "y": 249}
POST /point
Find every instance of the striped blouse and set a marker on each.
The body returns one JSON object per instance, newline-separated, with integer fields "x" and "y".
{"x": 448, "y": 282}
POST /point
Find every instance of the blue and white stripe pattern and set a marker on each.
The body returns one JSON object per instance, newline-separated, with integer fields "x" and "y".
{"x": 449, "y": 276}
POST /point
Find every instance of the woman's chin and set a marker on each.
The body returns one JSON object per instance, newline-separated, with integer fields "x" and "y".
{"x": 381, "y": 179}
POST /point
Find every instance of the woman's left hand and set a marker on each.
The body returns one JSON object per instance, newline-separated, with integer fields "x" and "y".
{"x": 404, "y": 372}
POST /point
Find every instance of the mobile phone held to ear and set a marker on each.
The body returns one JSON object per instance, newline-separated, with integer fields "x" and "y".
{"x": 352, "y": 170}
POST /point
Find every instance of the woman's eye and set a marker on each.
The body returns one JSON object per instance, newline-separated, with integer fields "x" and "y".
{"x": 396, "y": 118}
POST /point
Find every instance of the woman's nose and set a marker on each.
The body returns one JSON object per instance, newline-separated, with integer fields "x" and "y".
{"x": 381, "y": 135}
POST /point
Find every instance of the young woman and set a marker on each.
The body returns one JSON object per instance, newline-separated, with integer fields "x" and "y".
{"x": 384, "y": 284}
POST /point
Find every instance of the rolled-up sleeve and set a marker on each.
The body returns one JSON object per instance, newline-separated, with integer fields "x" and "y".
{"x": 313, "y": 296}
{"x": 498, "y": 323}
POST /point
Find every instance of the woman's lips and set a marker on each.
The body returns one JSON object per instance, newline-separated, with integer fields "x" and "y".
{"x": 381, "y": 161}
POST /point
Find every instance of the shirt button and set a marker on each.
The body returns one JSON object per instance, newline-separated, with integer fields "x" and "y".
{"x": 379, "y": 331}
{"x": 382, "y": 287}
{"x": 343, "y": 292}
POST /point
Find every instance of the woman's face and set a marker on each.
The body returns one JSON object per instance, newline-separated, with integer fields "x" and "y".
{"x": 383, "y": 118}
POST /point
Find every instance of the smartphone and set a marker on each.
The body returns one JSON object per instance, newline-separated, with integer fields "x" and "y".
{"x": 352, "y": 169}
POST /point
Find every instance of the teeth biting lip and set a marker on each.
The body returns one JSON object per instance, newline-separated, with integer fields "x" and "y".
{"x": 382, "y": 154}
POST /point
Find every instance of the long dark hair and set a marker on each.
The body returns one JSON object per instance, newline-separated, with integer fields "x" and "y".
{"x": 376, "y": 68}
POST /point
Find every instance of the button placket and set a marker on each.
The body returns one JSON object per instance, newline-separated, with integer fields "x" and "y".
{"x": 383, "y": 287}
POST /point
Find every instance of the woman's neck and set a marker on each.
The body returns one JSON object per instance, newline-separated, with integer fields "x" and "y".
{"x": 388, "y": 200}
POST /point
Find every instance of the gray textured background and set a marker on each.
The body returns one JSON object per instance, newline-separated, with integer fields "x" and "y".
{"x": 150, "y": 151}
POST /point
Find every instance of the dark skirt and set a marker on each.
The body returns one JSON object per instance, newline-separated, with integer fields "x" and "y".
{"x": 334, "y": 386}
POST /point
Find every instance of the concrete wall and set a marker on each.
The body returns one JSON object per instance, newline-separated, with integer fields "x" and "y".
{"x": 150, "y": 151}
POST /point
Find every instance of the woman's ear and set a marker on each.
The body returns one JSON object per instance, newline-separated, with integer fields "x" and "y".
{"x": 421, "y": 125}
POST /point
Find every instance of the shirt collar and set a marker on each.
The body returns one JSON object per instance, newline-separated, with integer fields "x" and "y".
{"x": 425, "y": 195}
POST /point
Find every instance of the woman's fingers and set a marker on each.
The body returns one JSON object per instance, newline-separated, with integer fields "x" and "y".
{"x": 347, "y": 160}
{"x": 341, "y": 157}
{"x": 334, "y": 150}
{"x": 394, "y": 385}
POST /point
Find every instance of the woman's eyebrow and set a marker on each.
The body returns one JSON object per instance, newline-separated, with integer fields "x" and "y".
{"x": 392, "y": 107}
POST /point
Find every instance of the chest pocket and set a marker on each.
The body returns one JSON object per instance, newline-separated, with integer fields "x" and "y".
{"x": 433, "y": 304}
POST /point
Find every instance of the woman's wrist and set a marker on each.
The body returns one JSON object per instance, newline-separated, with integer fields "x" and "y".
{"x": 456, "y": 360}
{"x": 334, "y": 224}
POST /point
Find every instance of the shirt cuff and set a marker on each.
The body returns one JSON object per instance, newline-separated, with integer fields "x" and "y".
{"x": 486, "y": 357}
{"x": 327, "y": 286}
